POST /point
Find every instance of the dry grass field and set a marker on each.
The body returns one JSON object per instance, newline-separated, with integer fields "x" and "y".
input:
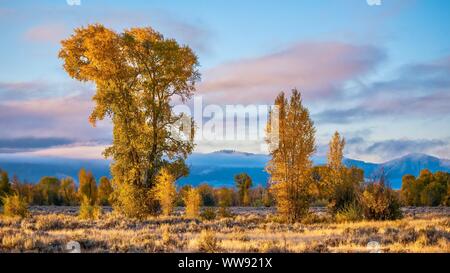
{"x": 49, "y": 229}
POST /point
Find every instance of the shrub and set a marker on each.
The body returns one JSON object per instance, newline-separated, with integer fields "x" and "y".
{"x": 134, "y": 201}
{"x": 346, "y": 190}
{"x": 208, "y": 242}
{"x": 89, "y": 211}
{"x": 225, "y": 212}
{"x": 209, "y": 214}
{"x": 14, "y": 205}
{"x": 167, "y": 236}
{"x": 379, "y": 202}
{"x": 351, "y": 212}
{"x": 193, "y": 202}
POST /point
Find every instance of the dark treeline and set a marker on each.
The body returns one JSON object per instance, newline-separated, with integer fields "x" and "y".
{"x": 427, "y": 189}
{"x": 53, "y": 191}
{"x": 65, "y": 192}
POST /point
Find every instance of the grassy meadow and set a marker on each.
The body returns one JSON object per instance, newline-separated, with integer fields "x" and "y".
{"x": 49, "y": 229}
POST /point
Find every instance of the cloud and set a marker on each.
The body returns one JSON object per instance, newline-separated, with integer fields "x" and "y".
{"x": 341, "y": 116}
{"x": 75, "y": 151}
{"x": 195, "y": 34}
{"x": 423, "y": 106}
{"x": 319, "y": 69}
{"x": 65, "y": 117}
{"x": 417, "y": 78}
{"x": 47, "y": 33}
{"x": 38, "y": 89}
{"x": 13, "y": 145}
{"x": 399, "y": 147}
{"x": 421, "y": 90}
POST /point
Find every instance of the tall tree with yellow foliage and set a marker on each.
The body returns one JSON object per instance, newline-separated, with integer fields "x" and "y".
{"x": 341, "y": 185}
{"x": 137, "y": 74}
{"x": 291, "y": 142}
{"x": 335, "y": 153}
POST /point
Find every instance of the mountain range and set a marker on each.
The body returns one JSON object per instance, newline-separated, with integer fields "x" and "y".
{"x": 217, "y": 168}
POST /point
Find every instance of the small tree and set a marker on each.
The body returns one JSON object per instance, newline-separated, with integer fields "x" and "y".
{"x": 48, "y": 188}
{"x": 89, "y": 211}
{"x": 104, "y": 191}
{"x": 243, "y": 183}
{"x": 225, "y": 197}
{"x": 193, "y": 203}
{"x": 87, "y": 186}
{"x": 14, "y": 205}
{"x": 5, "y": 185}
{"x": 165, "y": 191}
{"x": 181, "y": 195}
{"x": 68, "y": 192}
{"x": 406, "y": 192}
{"x": 207, "y": 194}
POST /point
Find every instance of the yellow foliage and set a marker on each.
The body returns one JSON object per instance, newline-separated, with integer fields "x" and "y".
{"x": 291, "y": 146}
{"x": 193, "y": 203}
{"x": 165, "y": 191}
{"x": 14, "y": 205}
{"x": 136, "y": 74}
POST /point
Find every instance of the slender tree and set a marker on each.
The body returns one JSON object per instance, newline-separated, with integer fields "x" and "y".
{"x": 243, "y": 183}
{"x": 335, "y": 153}
{"x": 193, "y": 202}
{"x": 104, "y": 191}
{"x": 341, "y": 185}
{"x": 166, "y": 191}
{"x": 291, "y": 147}
{"x": 5, "y": 185}
{"x": 87, "y": 187}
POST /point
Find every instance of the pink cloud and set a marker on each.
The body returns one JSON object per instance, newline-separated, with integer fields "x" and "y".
{"x": 46, "y": 33}
{"x": 318, "y": 69}
{"x": 51, "y": 117}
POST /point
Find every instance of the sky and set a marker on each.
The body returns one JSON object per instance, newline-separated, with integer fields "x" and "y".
{"x": 379, "y": 74}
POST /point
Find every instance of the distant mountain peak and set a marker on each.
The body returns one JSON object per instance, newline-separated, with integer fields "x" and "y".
{"x": 418, "y": 156}
{"x": 231, "y": 152}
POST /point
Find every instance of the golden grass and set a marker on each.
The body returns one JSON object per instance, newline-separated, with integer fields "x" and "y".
{"x": 250, "y": 231}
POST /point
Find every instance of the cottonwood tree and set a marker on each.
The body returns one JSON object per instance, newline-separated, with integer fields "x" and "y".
{"x": 291, "y": 150}
{"x": 137, "y": 74}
